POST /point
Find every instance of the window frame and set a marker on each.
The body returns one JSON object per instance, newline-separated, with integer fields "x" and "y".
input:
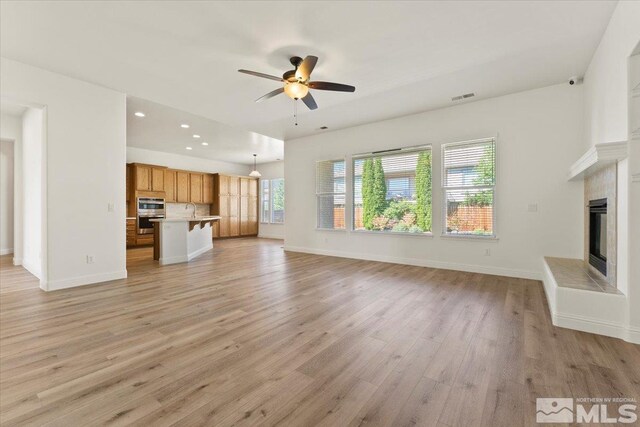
{"x": 318, "y": 194}
{"x": 444, "y": 189}
{"x": 270, "y": 202}
{"x": 382, "y": 153}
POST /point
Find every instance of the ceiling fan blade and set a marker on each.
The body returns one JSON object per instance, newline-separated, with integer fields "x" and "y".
{"x": 331, "y": 86}
{"x": 306, "y": 67}
{"x": 310, "y": 102}
{"x": 271, "y": 94}
{"x": 263, "y": 75}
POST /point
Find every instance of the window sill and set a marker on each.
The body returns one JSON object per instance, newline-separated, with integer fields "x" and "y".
{"x": 331, "y": 229}
{"x": 470, "y": 237}
{"x": 392, "y": 233}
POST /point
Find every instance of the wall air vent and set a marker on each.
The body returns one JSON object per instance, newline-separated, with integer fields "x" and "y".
{"x": 465, "y": 96}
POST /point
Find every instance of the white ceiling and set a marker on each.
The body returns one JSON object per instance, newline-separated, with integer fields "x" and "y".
{"x": 160, "y": 130}
{"x": 403, "y": 57}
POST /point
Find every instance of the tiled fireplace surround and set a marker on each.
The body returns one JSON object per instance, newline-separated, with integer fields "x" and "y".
{"x": 601, "y": 185}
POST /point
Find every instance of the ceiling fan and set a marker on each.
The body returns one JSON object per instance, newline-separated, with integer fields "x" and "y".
{"x": 296, "y": 82}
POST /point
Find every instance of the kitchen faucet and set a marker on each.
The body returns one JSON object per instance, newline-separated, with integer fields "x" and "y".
{"x": 194, "y": 208}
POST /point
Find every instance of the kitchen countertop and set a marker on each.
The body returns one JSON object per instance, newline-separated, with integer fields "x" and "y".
{"x": 195, "y": 219}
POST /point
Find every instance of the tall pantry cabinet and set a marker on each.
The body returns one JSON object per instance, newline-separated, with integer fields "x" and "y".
{"x": 236, "y": 202}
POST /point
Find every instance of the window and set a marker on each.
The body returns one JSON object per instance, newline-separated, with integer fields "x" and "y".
{"x": 468, "y": 179}
{"x": 265, "y": 201}
{"x": 277, "y": 201}
{"x": 392, "y": 192}
{"x": 272, "y": 201}
{"x": 330, "y": 194}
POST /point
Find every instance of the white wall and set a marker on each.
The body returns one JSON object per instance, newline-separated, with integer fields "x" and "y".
{"x": 605, "y": 82}
{"x": 32, "y": 184}
{"x": 272, "y": 170}
{"x": 538, "y": 137}
{"x": 85, "y": 172}
{"x": 6, "y": 196}
{"x": 11, "y": 129}
{"x": 175, "y": 161}
{"x": 607, "y": 85}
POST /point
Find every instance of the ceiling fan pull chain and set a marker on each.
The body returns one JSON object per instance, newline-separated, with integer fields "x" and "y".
{"x": 295, "y": 111}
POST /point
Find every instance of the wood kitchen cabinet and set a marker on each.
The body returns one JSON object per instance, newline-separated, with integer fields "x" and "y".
{"x": 131, "y": 232}
{"x": 182, "y": 187}
{"x": 169, "y": 186}
{"x": 143, "y": 177}
{"x": 148, "y": 178}
{"x": 128, "y": 183}
{"x": 157, "y": 179}
{"x": 236, "y": 202}
{"x": 207, "y": 188}
{"x": 195, "y": 186}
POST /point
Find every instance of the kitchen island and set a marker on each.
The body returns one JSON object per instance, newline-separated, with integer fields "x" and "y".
{"x": 182, "y": 239}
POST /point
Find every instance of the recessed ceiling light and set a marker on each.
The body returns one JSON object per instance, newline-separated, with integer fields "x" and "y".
{"x": 139, "y": 114}
{"x": 196, "y": 136}
{"x": 205, "y": 143}
{"x": 184, "y": 126}
{"x": 188, "y": 148}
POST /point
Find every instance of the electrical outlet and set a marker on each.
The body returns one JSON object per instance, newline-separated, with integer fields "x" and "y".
{"x": 487, "y": 252}
{"x": 110, "y": 207}
{"x": 89, "y": 259}
{"x": 532, "y": 207}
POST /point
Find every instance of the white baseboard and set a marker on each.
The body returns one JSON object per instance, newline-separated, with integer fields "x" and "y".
{"x": 199, "y": 252}
{"x": 497, "y": 271}
{"x": 17, "y": 261}
{"x": 90, "y": 279}
{"x": 633, "y": 335}
{"x": 270, "y": 236}
{"x": 6, "y": 251}
{"x": 586, "y": 324}
{"x": 173, "y": 260}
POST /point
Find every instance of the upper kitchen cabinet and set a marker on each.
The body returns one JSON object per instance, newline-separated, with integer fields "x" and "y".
{"x": 169, "y": 186}
{"x": 207, "y": 189}
{"x": 157, "y": 179}
{"x": 148, "y": 178}
{"x": 143, "y": 177}
{"x": 182, "y": 187}
{"x": 195, "y": 181}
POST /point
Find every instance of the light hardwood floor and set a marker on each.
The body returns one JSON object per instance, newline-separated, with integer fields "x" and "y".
{"x": 251, "y": 335}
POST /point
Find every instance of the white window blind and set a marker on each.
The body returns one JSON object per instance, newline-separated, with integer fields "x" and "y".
{"x": 330, "y": 194}
{"x": 468, "y": 179}
{"x": 392, "y": 191}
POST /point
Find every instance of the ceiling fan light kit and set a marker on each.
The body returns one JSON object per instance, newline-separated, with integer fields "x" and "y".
{"x": 296, "y": 90}
{"x": 296, "y": 82}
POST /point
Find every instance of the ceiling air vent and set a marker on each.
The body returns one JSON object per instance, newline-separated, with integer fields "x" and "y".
{"x": 465, "y": 96}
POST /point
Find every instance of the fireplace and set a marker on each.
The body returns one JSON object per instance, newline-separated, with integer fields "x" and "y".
{"x": 598, "y": 235}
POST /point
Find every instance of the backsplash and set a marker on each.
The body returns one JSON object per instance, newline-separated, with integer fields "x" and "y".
{"x": 185, "y": 210}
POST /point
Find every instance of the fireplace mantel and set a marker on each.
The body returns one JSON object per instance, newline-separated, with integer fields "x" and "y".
{"x": 596, "y": 158}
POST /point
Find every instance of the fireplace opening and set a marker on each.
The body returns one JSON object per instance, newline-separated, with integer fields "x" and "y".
{"x": 598, "y": 234}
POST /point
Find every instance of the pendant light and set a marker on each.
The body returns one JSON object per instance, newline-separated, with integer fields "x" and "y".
{"x": 254, "y": 173}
